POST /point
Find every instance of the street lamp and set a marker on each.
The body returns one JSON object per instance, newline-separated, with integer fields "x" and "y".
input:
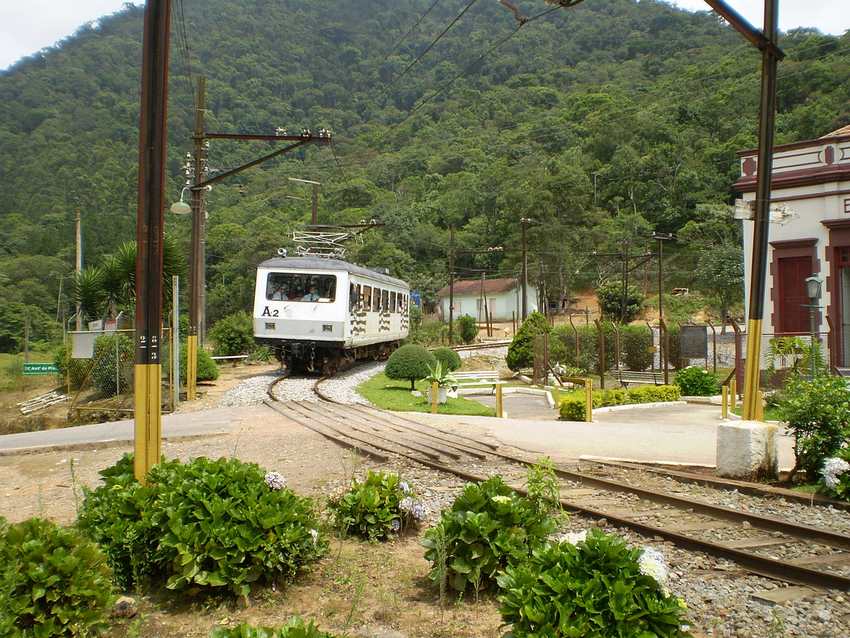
{"x": 181, "y": 207}
{"x": 813, "y": 290}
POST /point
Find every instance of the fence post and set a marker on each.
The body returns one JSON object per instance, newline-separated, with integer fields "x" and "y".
{"x": 654, "y": 349}
{"x": 117, "y": 365}
{"x": 499, "y": 404}
{"x": 435, "y": 397}
{"x": 601, "y": 338}
{"x": 665, "y": 360}
{"x": 713, "y": 346}
{"x": 617, "y": 350}
{"x": 739, "y": 360}
{"x": 578, "y": 341}
{"x": 588, "y": 400}
{"x": 175, "y": 342}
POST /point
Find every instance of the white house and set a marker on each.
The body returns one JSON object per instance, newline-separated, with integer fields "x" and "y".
{"x": 504, "y": 299}
{"x": 809, "y": 234}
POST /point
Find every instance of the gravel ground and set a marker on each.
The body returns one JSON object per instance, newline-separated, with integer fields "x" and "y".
{"x": 249, "y": 392}
{"x": 777, "y": 507}
{"x": 343, "y": 386}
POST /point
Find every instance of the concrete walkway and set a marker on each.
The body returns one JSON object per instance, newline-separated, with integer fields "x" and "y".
{"x": 682, "y": 435}
{"x": 181, "y": 424}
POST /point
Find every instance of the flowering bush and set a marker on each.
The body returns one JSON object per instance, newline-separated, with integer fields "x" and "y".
{"x": 694, "y": 381}
{"x": 595, "y": 586}
{"x": 836, "y": 475}
{"x": 818, "y": 414}
{"x": 488, "y": 526}
{"x": 295, "y": 628}
{"x": 53, "y": 582}
{"x": 376, "y": 508}
{"x": 205, "y": 523}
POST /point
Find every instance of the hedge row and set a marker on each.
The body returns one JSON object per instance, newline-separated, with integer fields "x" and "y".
{"x": 572, "y": 408}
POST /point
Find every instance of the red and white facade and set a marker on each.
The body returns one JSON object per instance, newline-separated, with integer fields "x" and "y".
{"x": 811, "y": 236}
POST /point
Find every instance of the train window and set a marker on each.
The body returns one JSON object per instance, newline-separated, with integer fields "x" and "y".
{"x": 366, "y": 301}
{"x": 353, "y": 296}
{"x": 288, "y": 286}
{"x": 385, "y": 300}
{"x": 376, "y": 300}
{"x": 393, "y": 301}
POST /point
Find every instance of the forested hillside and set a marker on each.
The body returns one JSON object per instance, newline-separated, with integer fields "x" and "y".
{"x": 601, "y": 122}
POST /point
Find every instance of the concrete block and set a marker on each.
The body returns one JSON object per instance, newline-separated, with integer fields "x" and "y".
{"x": 747, "y": 450}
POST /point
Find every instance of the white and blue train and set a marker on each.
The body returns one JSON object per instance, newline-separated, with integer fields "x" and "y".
{"x": 322, "y": 314}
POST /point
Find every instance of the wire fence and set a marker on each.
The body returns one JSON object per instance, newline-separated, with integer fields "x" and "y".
{"x": 99, "y": 373}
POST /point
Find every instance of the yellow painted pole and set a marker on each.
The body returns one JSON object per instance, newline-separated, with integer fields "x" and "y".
{"x": 733, "y": 393}
{"x": 435, "y": 397}
{"x": 148, "y": 429}
{"x": 192, "y": 367}
{"x": 724, "y": 410}
{"x": 751, "y": 371}
{"x": 588, "y": 400}
{"x": 499, "y": 405}
{"x": 760, "y": 406}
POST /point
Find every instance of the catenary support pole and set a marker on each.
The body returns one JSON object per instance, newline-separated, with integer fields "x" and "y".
{"x": 451, "y": 284}
{"x": 767, "y": 112}
{"x": 78, "y": 263}
{"x": 149, "y": 232}
{"x": 196, "y": 271}
{"x": 524, "y": 222}
{"x": 175, "y": 342}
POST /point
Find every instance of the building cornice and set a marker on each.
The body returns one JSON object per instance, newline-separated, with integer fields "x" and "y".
{"x": 795, "y": 179}
{"x": 820, "y": 141}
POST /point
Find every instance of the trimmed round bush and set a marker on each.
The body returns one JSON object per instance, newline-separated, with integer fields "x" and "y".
{"x": 410, "y": 362}
{"x": 598, "y": 587}
{"x": 207, "y": 368}
{"x": 467, "y": 328}
{"x": 694, "y": 381}
{"x": 53, "y": 582}
{"x": 295, "y": 628}
{"x": 521, "y": 350}
{"x": 234, "y": 334}
{"x": 448, "y": 357}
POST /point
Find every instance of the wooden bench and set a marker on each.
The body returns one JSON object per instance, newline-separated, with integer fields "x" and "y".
{"x": 647, "y": 378}
{"x": 480, "y": 378}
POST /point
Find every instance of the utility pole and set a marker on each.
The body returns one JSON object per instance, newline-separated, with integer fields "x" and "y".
{"x": 197, "y": 258}
{"x": 663, "y": 356}
{"x": 625, "y": 281}
{"x": 78, "y": 264}
{"x": 314, "y": 217}
{"x": 451, "y": 284}
{"x": 149, "y": 226}
{"x": 524, "y": 221}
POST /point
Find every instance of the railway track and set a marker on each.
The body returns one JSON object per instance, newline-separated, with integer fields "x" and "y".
{"x": 812, "y": 556}
{"x": 482, "y": 346}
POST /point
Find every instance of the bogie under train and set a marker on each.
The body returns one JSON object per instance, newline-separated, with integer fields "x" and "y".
{"x": 323, "y": 314}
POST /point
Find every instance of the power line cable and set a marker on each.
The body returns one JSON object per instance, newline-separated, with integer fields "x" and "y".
{"x": 409, "y": 31}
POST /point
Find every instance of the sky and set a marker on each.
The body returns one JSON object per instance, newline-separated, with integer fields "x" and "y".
{"x": 28, "y": 26}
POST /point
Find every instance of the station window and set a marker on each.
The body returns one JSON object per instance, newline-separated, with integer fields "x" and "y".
{"x": 287, "y": 286}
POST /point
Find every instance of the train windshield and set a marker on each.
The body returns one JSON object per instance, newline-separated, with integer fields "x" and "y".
{"x": 287, "y": 286}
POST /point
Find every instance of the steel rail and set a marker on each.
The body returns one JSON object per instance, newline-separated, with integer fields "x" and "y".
{"x": 794, "y": 571}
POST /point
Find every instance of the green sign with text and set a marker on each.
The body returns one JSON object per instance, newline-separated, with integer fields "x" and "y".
{"x": 36, "y": 369}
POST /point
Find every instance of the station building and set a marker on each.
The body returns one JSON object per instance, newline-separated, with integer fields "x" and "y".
{"x": 809, "y": 235}
{"x": 504, "y": 299}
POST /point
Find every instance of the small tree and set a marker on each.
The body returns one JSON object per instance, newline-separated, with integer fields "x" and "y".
{"x": 410, "y": 362}
{"x": 467, "y": 328}
{"x": 521, "y": 350}
{"x": 610, "y": 296}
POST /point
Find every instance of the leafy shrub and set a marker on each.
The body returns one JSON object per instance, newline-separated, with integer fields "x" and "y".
{"x": 488, "y": 526}
{"x": 295, "y": 628}
{"x": 674, "y": 356}
{"x": 205, "y": 523}
{"x": 376, "y": 508}
{"x": 234, "y": 334}
{"x": 111, "y": 352}
{"x": 818, "y": 414}
{"x": 636, "y": 344}
{"x": 593, "y": 589}
{"x": 467, "y": 328}
{"x": 572, "y": 407}
{"x": 835, "y": 475}
{"x": 694, "y": 381}
{"x": 610, "y": 296}
{"x": 521, "y": 350}
{"x": 410, "y": 362}
{"x": 207, "y": 368}
{"x": 562, "y": 347}
{"x": 448, "y": 358}
{"x": 74, "y": 370}
{"x": 53, "y": 582}
{"x": 112, "y": 516}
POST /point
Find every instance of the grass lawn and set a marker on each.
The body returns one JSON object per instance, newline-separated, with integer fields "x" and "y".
{"x": 11, "y": 367}
{"x": 390, "y": 394}
{"x": 771, "y": 413}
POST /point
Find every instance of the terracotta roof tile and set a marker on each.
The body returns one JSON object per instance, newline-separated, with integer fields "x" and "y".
{"x": 473, "y": 286}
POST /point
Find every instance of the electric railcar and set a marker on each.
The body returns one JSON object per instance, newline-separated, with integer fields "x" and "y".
{"x": 322, "y": 314}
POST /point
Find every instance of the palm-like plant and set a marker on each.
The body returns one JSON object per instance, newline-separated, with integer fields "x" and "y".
{"x": 87, "y": 289}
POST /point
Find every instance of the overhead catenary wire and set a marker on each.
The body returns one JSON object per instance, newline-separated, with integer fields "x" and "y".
{"x": 398, "y": 43}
